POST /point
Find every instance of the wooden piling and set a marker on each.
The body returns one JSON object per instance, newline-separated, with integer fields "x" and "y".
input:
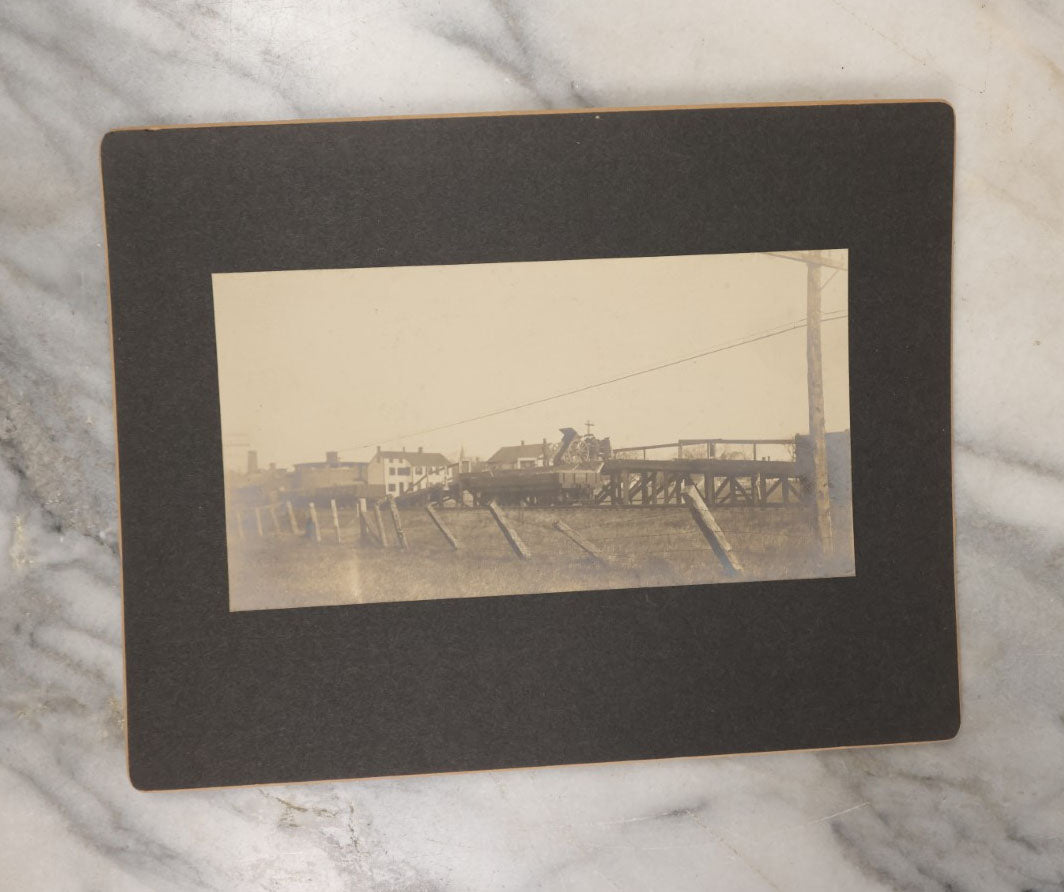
{"x": 397, "y": 522}
{"x": 240, "y": 523}
{"x": 707, "y": 523}
{"x": 258, "y": 520}
{"x": 292, "y": 519}
{"x": 273, "y": 517}
{"x": 519, "y": 547}
{"x": 314, "y": 521}
{"x": 436, "y": 519}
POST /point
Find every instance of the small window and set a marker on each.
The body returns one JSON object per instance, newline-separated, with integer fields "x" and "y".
{"x": 402, "y": 472}
{"x": 391, "y": 487}
{"x": 391, "y": 471}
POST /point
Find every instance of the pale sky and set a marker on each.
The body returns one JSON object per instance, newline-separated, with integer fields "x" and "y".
{"x": 318, "y": 360}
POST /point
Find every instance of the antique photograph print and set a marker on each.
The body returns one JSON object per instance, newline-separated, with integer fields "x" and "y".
{"x": 410, "y": 433}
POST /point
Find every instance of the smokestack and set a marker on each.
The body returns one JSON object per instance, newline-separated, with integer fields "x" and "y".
{"x": 273, "y": 466}
{"x": 253, "y": 461}
{"x": 421, "y": 449}
{"x": 522, "y": 442}
{"x": 332, "y": 459}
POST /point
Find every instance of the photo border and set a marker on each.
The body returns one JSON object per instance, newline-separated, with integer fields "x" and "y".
{"x": 217, "y": 698}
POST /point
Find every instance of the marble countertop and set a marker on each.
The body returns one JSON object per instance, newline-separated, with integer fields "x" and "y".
{"x": 985, "y": 811}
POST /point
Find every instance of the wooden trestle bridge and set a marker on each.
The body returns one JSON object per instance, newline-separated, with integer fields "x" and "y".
{"x": 632, "y": 481}
{"x": 720, "y": 481}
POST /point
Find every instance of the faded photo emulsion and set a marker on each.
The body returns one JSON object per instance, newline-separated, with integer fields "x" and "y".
{"x": 409, "y": 433}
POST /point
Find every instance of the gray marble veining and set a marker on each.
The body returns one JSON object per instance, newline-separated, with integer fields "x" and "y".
{"x": 985, "y": 811}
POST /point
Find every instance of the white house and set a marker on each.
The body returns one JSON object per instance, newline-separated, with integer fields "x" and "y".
{"x": 531, "y": 455}
{"x": 402, "y": 471}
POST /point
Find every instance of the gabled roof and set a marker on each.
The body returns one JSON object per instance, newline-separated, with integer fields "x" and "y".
{"x": 418, "y": 459}
{"x": 508, "y": 454}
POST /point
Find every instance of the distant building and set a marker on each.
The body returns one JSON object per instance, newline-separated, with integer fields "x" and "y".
{"x": 468, "y": 466}
{"x": 255, "y": 485}
{"x": 401, "y": 471}
{"x": 527, "y": 455}
{"x": 329, "y": 479}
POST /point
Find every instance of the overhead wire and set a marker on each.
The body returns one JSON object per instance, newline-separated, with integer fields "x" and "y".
{"x": 830, "y": 316}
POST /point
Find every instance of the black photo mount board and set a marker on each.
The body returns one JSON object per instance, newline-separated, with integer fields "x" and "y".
{"x": 216, "y": 698}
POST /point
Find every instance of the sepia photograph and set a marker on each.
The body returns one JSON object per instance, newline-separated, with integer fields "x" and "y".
{"x": 413, "y": 433}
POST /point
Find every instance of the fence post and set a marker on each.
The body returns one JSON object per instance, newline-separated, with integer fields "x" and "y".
{"x": 380, "y": 524}
{"x": 509, "y": 532}
{"x": 240, "y": 522}
{"x": 336, "y": 520}
{"x": 314, "y": 520}
{"x": 712, "y": 532}
{"x": 579, "y": 540}
{"x": 273, "y": 517}
{"x": 399, "y": 534}
{"x": 368, "y": 534}
{"x": 292, "y": 519}
{"x": 360, "y": 510}
{"x": 258, "y": 520}
{"x": 439, "y": 525}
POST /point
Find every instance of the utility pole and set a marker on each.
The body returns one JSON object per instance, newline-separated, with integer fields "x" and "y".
{"x": 817, "y": 438}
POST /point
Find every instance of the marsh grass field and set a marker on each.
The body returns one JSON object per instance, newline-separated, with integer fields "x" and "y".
{"x": 642, "y": 547}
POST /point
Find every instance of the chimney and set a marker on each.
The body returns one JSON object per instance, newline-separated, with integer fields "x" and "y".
{"x": 522, "y": 442}
{"x": 332, "y": 459}
{"x": 253, "y": 461}
{"x": 404, "y": 449}
{"x": 421, "y": 449}
{"x": 273, "y": 466}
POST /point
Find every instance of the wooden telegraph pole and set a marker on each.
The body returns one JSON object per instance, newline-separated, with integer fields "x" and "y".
{"x": 817, "y": 438}
{"x": 815, "y": 262}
